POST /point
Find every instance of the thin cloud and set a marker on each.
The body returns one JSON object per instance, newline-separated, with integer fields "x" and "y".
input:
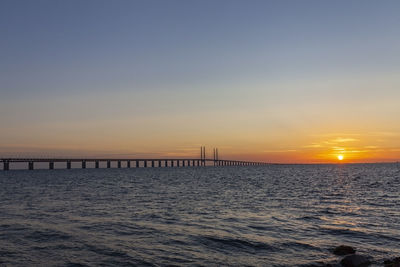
{"x": 279, "y": 151}
{"x": 344, "y": 140}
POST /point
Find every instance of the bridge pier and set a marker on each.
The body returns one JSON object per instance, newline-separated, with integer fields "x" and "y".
{"x": 51, "y": 165}
{"x": 83, "y": 164}
{"x": 145, "y": 163}
{"x": 68, "y": 164}
{"x": 119, "y": 164}
{"x": 128, "y": 164}
{"x": 136, "y": 164}
{"x": 108, "y": 164}
{"x": 96, "y": 164}
{"x": 6, "y": 166}
{"x": 172, "y": 163}
{"x": 30, "y": 165}
{"x": 159, "y": 164}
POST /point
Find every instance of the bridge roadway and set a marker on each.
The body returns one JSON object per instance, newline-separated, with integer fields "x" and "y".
{"x": 137, "y": 162}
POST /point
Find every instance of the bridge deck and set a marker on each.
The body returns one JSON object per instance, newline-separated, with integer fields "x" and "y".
{"x": 139, "y": 162}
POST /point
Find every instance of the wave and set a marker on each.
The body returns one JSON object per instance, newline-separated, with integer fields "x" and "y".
{"x": 228, "y": 243}
{"x": 48, "y": 235}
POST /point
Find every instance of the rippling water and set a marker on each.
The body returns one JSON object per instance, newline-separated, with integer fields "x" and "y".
{"x": 278, "y": 215}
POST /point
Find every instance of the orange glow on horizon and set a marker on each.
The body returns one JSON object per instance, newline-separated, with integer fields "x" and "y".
{"x": 309, "y": 148}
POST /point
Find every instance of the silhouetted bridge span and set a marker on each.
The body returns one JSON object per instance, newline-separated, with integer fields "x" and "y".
{"x": 132, "y": 162}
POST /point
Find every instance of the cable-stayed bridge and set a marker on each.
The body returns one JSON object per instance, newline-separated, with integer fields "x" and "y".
{"x": 130, "y": 162}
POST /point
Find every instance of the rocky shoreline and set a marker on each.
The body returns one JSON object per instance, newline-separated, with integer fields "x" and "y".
{"x": 351, "y": 259}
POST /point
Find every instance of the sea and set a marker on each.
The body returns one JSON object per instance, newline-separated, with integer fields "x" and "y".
{"x": 273, "y": 215}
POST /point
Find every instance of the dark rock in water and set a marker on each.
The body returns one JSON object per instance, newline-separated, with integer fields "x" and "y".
{"x": 344, "y": 250}
{"x": 392, "y": 263}
{"x": 355, "y": 261}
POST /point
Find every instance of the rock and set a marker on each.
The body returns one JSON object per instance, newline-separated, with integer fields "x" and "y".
{"x": 392, "y": 263}
{"x": 344, "y": 250}
{"x": 355, "y": 261}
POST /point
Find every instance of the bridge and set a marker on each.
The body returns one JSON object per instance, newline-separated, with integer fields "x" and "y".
{"x": 132, "y": 162}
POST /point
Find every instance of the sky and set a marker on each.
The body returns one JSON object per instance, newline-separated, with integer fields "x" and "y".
{"x": 274, "y": 81}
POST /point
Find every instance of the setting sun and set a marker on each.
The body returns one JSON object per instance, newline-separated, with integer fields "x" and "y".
{"x": 340, "y": 157}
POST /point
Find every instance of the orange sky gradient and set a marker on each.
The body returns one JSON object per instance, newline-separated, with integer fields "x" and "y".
{"x": 270, "y": 81}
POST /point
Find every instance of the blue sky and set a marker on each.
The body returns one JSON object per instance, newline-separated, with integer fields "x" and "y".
{"x": 77, "y": 68}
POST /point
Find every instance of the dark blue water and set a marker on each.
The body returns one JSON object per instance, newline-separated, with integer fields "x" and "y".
{"x": 254, "y": 216}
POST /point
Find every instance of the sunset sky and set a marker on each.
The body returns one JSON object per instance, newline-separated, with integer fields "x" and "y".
{"x": 274, "y": 81}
